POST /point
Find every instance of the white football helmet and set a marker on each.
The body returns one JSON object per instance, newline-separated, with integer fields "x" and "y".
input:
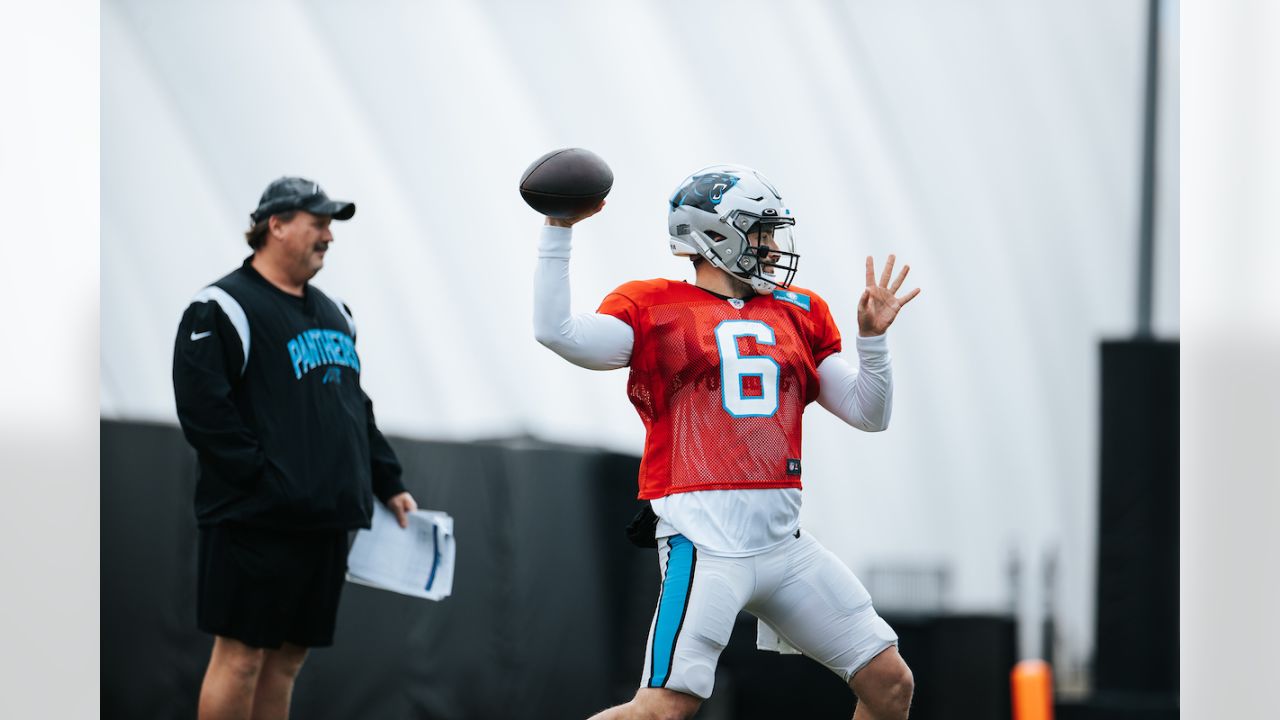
{"x": 732, "y": 216}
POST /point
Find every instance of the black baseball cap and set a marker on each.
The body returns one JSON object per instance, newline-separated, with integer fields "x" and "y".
{"x": 295, "y": 193}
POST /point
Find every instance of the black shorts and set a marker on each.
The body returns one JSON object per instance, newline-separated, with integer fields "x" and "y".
{"x": 265, "y": 586}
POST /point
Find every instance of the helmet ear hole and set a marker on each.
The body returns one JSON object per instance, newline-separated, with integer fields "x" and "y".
{"x": 715, "y": 235}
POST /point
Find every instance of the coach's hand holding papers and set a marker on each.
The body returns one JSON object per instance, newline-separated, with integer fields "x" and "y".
{"x": 416, "y": 560}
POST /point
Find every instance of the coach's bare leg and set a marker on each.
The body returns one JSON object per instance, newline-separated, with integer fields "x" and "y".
{"x": 275, "y": 683}
{"x": 654, "y": 704}
{"x": 883, "y": 687}
{"x": 229, "y": 682}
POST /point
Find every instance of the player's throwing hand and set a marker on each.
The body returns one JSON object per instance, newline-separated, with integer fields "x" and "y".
{"x": 879, "y": 305}
{"x": 570, "y": 222}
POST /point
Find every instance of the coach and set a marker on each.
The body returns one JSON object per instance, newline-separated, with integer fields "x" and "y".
{"x": 267, "y": 382}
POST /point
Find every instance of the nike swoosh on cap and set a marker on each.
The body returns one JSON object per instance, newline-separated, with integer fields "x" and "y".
{"x": 201, "y": 336}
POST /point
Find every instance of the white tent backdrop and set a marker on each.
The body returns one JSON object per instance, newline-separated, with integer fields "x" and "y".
{"x": 992, "y": 144}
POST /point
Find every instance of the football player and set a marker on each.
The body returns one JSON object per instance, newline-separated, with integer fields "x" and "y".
{"x": 721, "y": 371}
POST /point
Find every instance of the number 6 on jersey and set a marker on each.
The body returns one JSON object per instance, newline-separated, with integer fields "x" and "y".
{"x": 735, "y": 369}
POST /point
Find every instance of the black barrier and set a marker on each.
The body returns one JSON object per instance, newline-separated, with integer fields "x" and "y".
{"x": 1120, "y": 706}
{"x": 548, "y": 619}
{"x": 541, "y": 623}
{"x": 961, "y": 665}
{"x": 1137, "y": 626}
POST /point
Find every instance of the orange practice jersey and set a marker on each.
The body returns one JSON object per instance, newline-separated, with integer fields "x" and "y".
{"x": 721, "y": 388}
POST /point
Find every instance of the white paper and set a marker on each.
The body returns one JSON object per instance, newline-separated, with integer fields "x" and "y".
{"x": 417, "y": 560}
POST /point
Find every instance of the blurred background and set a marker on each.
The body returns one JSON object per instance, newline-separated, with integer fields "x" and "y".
{"x": 1017, "y": 154}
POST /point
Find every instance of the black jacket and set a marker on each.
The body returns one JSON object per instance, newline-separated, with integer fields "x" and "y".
{"x": 268, "y": 392}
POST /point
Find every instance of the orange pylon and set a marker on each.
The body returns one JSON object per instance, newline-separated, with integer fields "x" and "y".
{"x": 1032, "y": 684}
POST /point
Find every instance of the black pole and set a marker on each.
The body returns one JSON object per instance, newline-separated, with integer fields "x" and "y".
{"x": 1146, "y": 231}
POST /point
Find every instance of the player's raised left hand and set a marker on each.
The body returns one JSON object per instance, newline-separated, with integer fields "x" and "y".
{"x": 879, "y": 304}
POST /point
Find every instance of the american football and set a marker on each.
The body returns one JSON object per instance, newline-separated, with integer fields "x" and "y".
{"x": 566, "y": 182}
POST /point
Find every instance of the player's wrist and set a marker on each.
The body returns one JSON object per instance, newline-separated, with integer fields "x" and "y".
{"x": 555, "y": 241}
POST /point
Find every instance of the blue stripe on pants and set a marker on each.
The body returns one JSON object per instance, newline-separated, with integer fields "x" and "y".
{"x": 671, "y": 607}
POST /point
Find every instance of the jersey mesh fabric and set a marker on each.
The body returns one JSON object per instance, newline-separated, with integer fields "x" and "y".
{"x": 693, "y": 441}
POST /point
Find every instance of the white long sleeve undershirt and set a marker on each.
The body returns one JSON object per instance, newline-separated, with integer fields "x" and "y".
{"x": 861, "y": 397}
{"x": 590, "y": 340}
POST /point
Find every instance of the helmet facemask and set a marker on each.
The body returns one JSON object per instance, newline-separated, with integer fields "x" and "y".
{"x": 766, "y": 257}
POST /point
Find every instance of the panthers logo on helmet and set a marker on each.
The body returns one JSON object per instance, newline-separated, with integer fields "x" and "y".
{"x": 704, "y": 191}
